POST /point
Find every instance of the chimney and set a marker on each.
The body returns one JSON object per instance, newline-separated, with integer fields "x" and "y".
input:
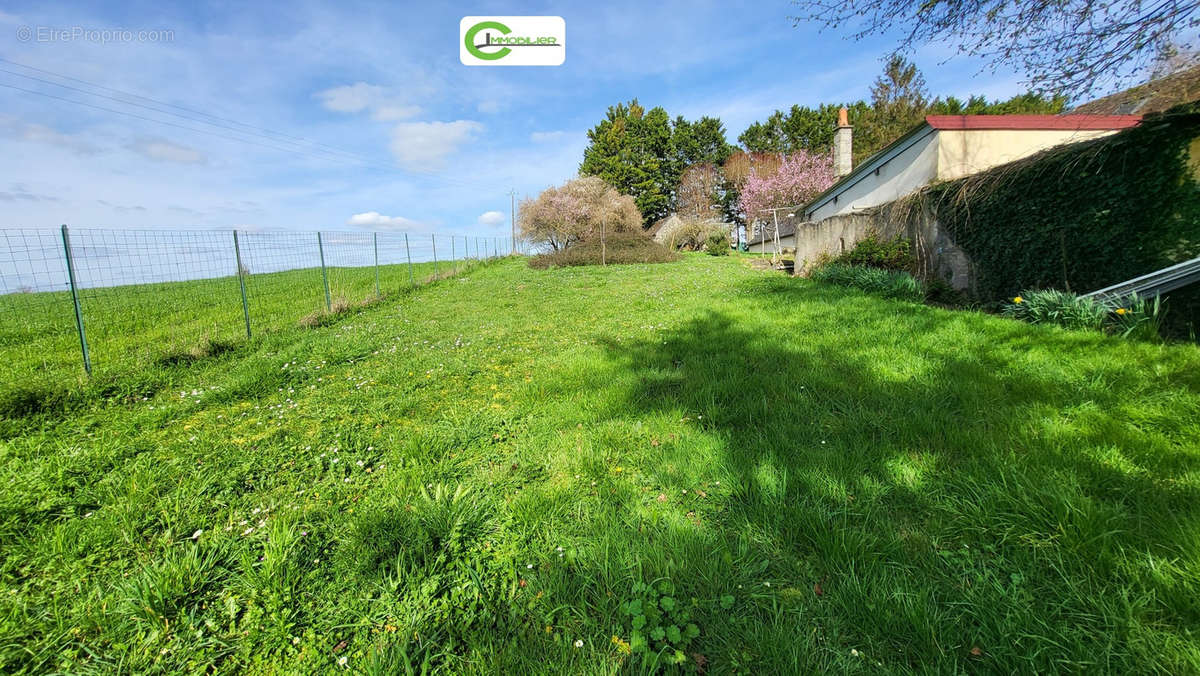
{"x": 842, "y": 144}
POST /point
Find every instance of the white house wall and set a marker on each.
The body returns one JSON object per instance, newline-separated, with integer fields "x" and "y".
{"x": 965, "y": 152}
{"x": 912, "y": 168}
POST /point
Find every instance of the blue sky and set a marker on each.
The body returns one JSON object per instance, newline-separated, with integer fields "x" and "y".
{"x": 443, "y": 143}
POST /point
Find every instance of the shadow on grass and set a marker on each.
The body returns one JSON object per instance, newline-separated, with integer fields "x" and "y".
{"x": 931, "y": 495}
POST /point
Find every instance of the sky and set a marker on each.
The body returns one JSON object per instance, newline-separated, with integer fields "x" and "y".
{"x": 359, "y": 116}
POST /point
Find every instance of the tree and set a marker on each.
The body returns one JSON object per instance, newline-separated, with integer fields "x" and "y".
{"x": 803, "y": 128}
{"x": 1021, "y": 104}
{"x": 643, "y": 153}
{"x": 1063, "y": 46}
{"x": 700, "y": 142}
{"x": 738, "y": 167}
{"x": 898, "y": 103}
{"x": 800, "y": 177}
{"x": 575, "y": 211}
{"x": 698, "y": 190}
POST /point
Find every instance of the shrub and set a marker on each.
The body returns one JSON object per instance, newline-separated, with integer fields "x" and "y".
{"x": 939, "y": 292}
{"x": 689, "y": 234}
{"x": 577, "y": 210}
{"x": 1061, "y": 308}
{"x": 618, "y": 248}
{"x": 1138, "y": 318}
{"x": 887, "y": 283}
{"x": 1076, "y": 216}
{"x": 876, "y": 252}
{"x": 717, "y": 244}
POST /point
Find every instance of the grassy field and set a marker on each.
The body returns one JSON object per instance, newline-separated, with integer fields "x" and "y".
{"x": 135, "y": 327}
{"x": 544, "y": 471}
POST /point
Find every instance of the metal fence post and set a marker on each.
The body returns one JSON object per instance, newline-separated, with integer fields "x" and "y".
{"x": 375, "y": 241}
{"x": 408, "y": 253}
{"x": 433, "y": 238}
{"x": 324, "y": 274}
{"x": 453, "y": 262}
{"x": 241, "y": 273}
{"x": 87, "y": 359}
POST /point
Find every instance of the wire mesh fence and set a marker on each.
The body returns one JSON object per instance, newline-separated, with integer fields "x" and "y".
{"x": 80, "y": 301}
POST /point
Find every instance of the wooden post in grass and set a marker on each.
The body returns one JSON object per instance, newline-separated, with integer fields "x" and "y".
{"x": 408, "y": 253}
{"x": 433, "y": 238}
{"x": 603, "y": 251}
{"x": 241, "y": 273}
{"x": 375, "y": 241}
{"x": 87, "y": 359}
{"x": 324, "y": 274}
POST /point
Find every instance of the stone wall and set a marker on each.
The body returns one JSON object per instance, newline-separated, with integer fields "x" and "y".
{"x": 936, "y": 253}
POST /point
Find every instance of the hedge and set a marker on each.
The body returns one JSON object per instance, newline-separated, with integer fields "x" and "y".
{"x": 1081, "y": 216}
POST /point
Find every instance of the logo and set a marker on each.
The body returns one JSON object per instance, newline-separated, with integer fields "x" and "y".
{"x": 512, "y": 40}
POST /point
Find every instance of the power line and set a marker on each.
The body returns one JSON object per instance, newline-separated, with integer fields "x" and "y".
{"x": 172, "y": 124}
{"x": 164, "y": 112}
{"x": 357, "y": 158}
{"x": 161, "y": 103}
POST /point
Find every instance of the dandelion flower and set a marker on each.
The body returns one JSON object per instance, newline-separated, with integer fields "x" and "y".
{"x": 1121, "y": 310}
{"x": 1018, "y": 300}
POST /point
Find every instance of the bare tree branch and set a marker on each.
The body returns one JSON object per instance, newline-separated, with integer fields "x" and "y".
{"x": 1074, "y": 47}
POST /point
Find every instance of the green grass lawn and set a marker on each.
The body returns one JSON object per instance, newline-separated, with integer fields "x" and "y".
{"x": 539, "y": 471}
{"x": 132, "y": 328}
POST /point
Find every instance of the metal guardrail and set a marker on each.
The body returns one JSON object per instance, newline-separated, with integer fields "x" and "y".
{"x": 1152, "y": 284}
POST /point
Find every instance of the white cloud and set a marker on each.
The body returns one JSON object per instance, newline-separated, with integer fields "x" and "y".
{"x": 163, "y": 150}
{"x": 425, "y": 145}
{"x": 39, "y": 133}
{"x": 374, "y": 219}
{"x": 361, "y": 96}
{"x": 492, "y": 218}
{"x": 390, "y": 112}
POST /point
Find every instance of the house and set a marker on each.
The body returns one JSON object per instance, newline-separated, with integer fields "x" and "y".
{"x": 946, "y": 147}
{"x": 1154, "y": 96}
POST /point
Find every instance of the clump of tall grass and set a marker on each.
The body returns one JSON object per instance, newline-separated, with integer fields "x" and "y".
{"x": 887, "y": 283}
{"x": 1136, "y": 318}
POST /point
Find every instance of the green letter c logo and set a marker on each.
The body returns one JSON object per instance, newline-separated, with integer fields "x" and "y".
{"x": 475, "y": 51}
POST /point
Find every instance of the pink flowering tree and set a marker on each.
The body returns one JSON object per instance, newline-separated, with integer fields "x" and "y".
{"x": 801, "y": 176}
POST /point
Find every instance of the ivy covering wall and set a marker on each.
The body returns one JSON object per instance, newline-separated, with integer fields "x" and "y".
{"x": 1082, "y": 216}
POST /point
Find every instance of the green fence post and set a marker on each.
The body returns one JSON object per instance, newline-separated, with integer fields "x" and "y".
{"x": 375, "y": 241}
{"x": 324, "y": 274}
{"x": 87, "y": 359}
{"x": 408, "y": 253}
{"x": 433, "y": 238}
{"x": 241, "y": 273}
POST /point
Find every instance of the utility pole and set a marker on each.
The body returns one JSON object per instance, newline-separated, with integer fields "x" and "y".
{"x": 512, "y": 215}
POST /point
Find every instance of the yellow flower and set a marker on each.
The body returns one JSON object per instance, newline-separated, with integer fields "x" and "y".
{"x": 1121, "y": 310}
{"x": 621, "y": 645}
{"x": 1018, "y": 300}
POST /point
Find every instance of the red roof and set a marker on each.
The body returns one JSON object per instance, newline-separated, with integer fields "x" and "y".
{"x": 1071, "y": 122}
